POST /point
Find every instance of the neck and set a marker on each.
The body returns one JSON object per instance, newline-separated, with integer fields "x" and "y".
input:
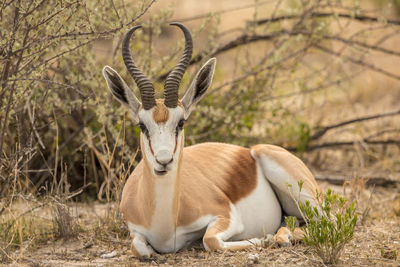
{"x": 165, "y": 199}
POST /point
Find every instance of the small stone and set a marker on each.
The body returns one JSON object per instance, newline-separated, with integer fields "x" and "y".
{"x": 88, "y": 245}
{"x": 253, "y": 258}
{"x": 109, "y": 255}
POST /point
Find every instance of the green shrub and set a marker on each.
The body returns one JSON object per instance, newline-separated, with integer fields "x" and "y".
{"x": 329, "y": 225}
{"x": 291, "y": 222}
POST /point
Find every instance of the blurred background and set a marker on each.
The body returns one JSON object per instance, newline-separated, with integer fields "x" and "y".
{"x": 319, "y": 78}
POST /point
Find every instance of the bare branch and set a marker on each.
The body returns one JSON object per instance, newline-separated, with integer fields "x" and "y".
{"x": 325, "y": 129}
{"x": 42, "y": 80}
{"x": 372, "y": 179}
{"x": 362, "y": 18}
{"x": 335, "y": 145}
{"x": 252, "y": 73}
{"x": 73, "y": 34}
{"x": 245, "y": 39}
{"x": 358, "y": 62}
{"x": 372, "y": 47}
{"x": 202, "y": 16}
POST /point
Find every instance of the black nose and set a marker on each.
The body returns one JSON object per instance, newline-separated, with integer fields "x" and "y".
{"x": 164, "y": 164}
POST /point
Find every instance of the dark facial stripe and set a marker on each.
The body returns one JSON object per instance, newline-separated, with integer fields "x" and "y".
{"x": 151, "y": 148}
{"x": 176, "y": 143}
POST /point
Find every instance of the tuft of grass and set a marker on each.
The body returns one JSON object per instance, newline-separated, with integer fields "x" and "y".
{"x": 111, "y": 227}
{"x": 329, "y": 225}
{"x": 21, "y": 231}
{"x": 391, "y": 254}
{"x": 64, "y": 225}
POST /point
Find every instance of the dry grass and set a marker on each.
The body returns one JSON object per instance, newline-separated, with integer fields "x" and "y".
{"x": 55, "y": 232}
{"x": 376, "y": 242}
{"x": 64, "y": 224}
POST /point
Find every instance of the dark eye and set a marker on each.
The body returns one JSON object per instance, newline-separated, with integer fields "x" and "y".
{"x": 143, "y": 128}
{"x": 179, "y": 127}
{"x": 181, "y": 123}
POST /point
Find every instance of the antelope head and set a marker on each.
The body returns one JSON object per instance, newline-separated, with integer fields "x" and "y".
{"x": 161, "y": 120}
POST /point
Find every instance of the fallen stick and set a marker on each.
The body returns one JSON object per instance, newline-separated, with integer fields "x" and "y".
{"x": 384, "y": 180}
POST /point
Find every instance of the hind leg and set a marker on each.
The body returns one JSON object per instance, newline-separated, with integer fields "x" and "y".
{"x": 219, "y": 232}
{"x": 284, "y": 237}
{"x": 286, "y": 172}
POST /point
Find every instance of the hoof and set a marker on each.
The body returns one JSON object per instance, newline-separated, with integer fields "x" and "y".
{"x": 298, "y": 235}
{"x": 283, "y": 237}
{"x": 285, "y": 244}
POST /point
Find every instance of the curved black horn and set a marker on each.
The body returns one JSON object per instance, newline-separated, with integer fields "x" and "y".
{"x": 146, "y": 87}
{"x": 173, "y": 80}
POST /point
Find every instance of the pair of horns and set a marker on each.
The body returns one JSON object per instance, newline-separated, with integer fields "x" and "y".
{"x": 173, "y": 80}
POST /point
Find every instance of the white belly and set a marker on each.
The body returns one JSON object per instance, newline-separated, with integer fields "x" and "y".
{"x": 176, "y": 240}
{"x": 260, "y": 212}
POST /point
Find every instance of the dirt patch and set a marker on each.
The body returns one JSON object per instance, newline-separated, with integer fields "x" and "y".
{"x": 375, "y": 243}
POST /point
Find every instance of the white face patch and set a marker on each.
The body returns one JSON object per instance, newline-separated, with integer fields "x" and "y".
{"x": 162, "y": 141}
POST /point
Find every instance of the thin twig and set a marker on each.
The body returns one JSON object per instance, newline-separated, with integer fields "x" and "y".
{"x": 358, "y": 62}
{"x": 42, "y": 80}
{"x": 362, "y": 18}
{"x": 325, "y": 129}
{"x": 205, "y": 15}
{"x": 335, "y": 145}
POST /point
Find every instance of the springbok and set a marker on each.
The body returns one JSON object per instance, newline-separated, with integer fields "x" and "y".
{"x": 230, "y": 196}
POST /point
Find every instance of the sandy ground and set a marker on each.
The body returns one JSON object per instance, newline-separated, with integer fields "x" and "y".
{"x": 375, "y": 243}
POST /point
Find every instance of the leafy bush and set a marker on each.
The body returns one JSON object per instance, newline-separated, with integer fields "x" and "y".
{"x": 55, "y": 107}
{"x": 291, "y": 222}
{"x": 329, "y": 225}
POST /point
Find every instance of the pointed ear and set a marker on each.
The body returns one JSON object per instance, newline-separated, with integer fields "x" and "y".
{"x": 199, "y": 86}
{"x": 121, "y": 91}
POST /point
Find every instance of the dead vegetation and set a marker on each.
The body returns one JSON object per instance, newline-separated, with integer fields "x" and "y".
{"x": 317, "y": 77}
{"x": 102, "y": 240}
